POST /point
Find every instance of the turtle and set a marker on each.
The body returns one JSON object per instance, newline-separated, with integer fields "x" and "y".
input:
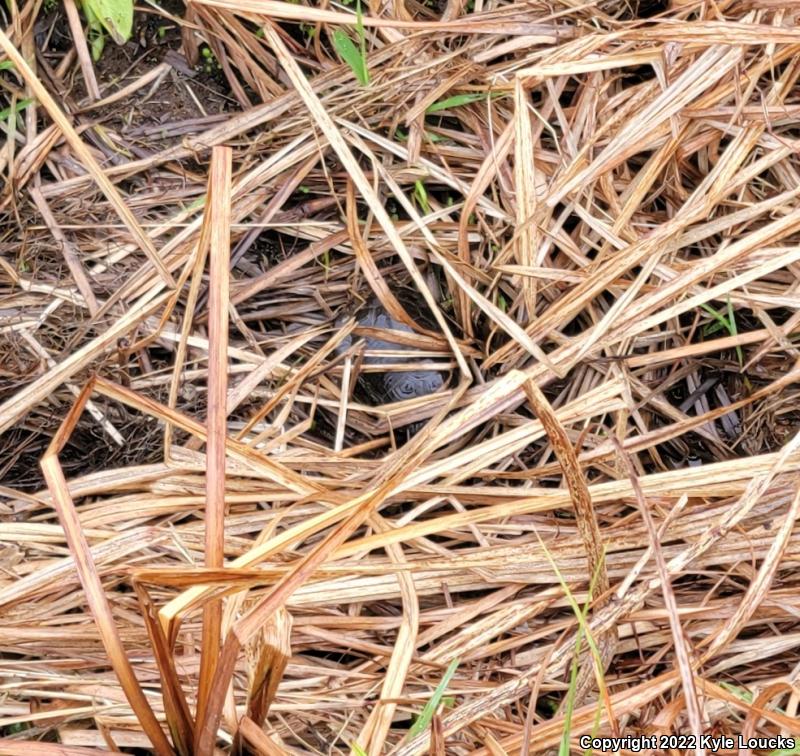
{"x": 395, "y": 385}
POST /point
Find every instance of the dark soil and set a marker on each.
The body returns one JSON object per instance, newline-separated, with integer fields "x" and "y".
{"x": 143, "y": 123}
{"x": 185, "y": 93}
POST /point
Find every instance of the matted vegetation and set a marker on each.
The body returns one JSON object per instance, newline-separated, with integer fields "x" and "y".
{"x": 215, "y": 533}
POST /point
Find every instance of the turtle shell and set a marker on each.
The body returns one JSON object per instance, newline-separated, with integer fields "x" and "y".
{"x": 396, "y": 385}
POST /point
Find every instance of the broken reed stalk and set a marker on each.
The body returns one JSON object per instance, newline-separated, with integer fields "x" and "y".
{"x": 586, "y": 521}
{"x": 219, "y": 219}
{"x": 82, "y": 49}
{"x": 686, "y": 665}
{"x": 90, "y": 580}
{"x": 267, "y": 656}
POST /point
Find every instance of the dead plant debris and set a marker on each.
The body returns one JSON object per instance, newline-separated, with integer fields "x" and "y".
{"x": 217, "y": 532}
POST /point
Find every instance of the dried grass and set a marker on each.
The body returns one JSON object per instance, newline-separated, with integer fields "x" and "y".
{"x": 587, "y": 215}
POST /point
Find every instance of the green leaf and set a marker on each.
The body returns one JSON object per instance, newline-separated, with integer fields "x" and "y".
{"x": 502, "y": 303}
{"x": 427, "y": 713}
{"x": 5, "y": 65}
{"x": 357, "y": 750}
{"x": 19, "y": 107}
{"x": 350, "y": 54}
{"x": 116, "y": 16}
{"x": 16, "y": 727}
{"x": 96, "y": 33}
{"x": 98, "y": 43}
{"x": 355, "y": 57}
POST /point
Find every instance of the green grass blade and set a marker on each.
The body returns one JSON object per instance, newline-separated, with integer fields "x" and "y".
{"x": 563, "y": 746}
{"x": 734, "y": 331}
{"x": 595, "y": 730}
{"x": 462, "y": 99}
{"x": 718, "y": 316}
{"x": 18, "y": 108}
{"x": 583, "y": 631}
{"x": 579, "y": 614}
{"x": 422, "y": 196}
{"x": 502, "y": 303}
{"x": 426, "y": 716}
{"x": 362, "y": 44}
{"x": 455, "y": 101}
{"x": 740, "y": 692}
{"x": 728, "y": 323}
